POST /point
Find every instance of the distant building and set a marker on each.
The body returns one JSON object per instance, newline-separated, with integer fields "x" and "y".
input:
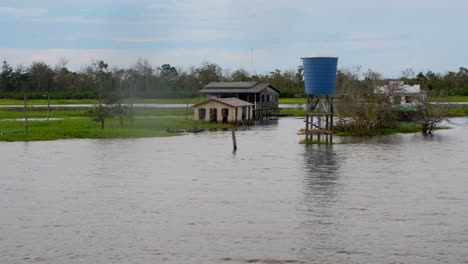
{"x": 263, "y": 96}
{"x": 223, "y": 110}
{"x": 404, "y": 95}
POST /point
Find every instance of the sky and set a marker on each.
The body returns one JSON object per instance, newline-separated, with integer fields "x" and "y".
{"x": 256, "y": 35}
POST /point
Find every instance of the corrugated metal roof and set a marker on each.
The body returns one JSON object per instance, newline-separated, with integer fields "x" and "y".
{"x": 235, "y": 87}
{"x": 244, "y": 85}
{"x": 233, "y": 102}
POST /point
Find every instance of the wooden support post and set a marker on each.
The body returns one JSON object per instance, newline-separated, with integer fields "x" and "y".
{"x": 319, "y": 118}
{"x": 234, "y": 142}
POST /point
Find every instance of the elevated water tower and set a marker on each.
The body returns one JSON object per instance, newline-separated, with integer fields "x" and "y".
{"x": 319, "y": 77}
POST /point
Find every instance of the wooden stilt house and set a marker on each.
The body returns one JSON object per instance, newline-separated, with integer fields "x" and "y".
{"x": 263, "y": 96}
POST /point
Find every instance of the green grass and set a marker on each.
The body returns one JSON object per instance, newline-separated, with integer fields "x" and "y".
{"x": 293, "y": 111}
{"x": 405, "y": 128}
{"x": 77, "y": 124}
{"x": 457, "y": 111}
{"x": 315, "y": 142}
{"x": 292, "y": 101}
{"x": 454, "y": 99}
{"x": 11, "y": 113}
{"x": 86, "y": 128}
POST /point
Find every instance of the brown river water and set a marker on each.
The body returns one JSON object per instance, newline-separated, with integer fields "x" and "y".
{"x": 190, "y": 199}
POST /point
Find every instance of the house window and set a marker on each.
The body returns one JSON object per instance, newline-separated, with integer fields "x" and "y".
{"x": 201, "y": 113}
{"x": 263, "y": 98}
{"x": 408, "y": 99}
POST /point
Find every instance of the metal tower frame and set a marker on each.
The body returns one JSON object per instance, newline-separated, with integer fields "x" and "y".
{"x": 319, "y": 118}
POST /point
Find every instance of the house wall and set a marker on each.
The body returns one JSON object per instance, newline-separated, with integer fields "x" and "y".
{"x": 267, "y": 99}
{"x": 219, "y": 107}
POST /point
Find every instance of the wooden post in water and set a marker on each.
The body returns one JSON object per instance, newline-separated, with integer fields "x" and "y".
{"x": 26, "y": 129}
{"x": 234, "y": 142}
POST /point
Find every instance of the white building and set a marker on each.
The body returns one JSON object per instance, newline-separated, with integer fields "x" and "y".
{"x": 225, "y": 110}
{"x": 404, "y": 95}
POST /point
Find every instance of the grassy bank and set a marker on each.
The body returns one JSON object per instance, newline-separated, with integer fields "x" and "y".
{"x": 13, "y": 113}
{"x": 406, "y": 128}
{"x": 85, "y": 128}
{"x": 76, "y": 124}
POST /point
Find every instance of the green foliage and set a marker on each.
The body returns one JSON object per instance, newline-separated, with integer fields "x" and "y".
{"x": 100, "y": 113}
{"x": 143, "y": 81}
{"x": 315, "y": 142}
{"x": 402, "y": 128}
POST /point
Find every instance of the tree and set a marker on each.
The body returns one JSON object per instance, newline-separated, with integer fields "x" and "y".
{"x": 299, "y": 78}
{"x": 120, "y": 92}
{"x": 6, "y": 78}
{"x": 144, "y": 71}
{"x": 42, "y": 78}
{"x": 100, "y": 113}
{"x": 209, "y": 72}
{"x": 168, "y": 72}
{"x": 407, "y": 75}
{"x": 240, "y": 75}
{"x": 99, "y": 73}
{"x": 430, "y": 116}
{"x": 363, "y": 110}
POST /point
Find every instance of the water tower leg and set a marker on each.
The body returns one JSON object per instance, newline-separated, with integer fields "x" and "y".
{"x": 319, "y": 118}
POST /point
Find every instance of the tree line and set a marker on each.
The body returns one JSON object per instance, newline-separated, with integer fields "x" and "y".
{"x": 142, "y": 80}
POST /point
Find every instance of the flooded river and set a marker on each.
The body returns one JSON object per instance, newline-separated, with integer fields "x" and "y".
{"x": 190, "y": 199}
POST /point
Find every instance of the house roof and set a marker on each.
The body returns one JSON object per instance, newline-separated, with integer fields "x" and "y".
{"x": 235, "y": 87}
{"x": 232, "y": 102}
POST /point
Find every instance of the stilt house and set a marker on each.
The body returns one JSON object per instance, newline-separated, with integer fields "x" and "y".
{"x": 263, "y": 96}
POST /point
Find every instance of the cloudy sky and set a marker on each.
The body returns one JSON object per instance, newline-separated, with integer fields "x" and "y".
{"x": 257, "y": 35}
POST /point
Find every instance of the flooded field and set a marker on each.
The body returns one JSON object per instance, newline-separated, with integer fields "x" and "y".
{"x": 190, "y": 199}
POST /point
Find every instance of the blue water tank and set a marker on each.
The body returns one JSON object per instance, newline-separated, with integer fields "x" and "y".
{"x": 320, "y": 74}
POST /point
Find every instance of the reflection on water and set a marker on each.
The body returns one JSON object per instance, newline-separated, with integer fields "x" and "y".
{"x": 189, "y": 199}
{"x": 321, "y": 166}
